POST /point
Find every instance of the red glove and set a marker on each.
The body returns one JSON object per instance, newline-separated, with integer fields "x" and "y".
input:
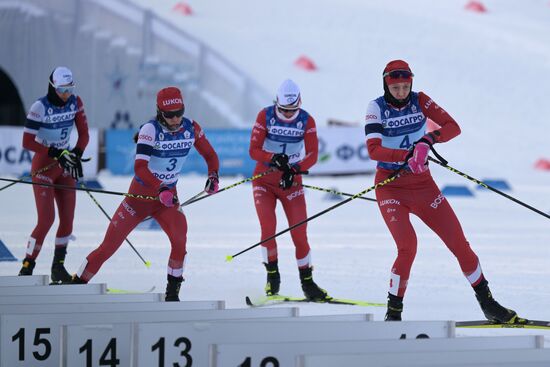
{"x": 212, "y": 183}
{"x": 418, "y": 161}
{"x": 166, "y": 197}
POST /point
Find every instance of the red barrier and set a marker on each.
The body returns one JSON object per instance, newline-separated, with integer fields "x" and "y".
{"x": 476, "y": 6}
{"x": 305, "y": 63}
{"x": 182, "y": 8}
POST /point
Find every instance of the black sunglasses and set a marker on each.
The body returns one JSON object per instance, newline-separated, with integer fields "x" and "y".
{"x": 172, "y": 114}
{"x": 399, "y": 74}
{"x": 287, "y": 110}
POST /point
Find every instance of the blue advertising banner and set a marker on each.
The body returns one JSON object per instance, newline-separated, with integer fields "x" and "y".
{"x": 231, "y": 145}
{"x": 342, "y": 150}
{"x": 120, "y": 151}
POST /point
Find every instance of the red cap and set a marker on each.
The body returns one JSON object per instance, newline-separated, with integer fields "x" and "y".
{"x": 397, "y": 65}
{"x": 169, "y": 99}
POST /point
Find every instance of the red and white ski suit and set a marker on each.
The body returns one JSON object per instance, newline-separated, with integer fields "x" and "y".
{"x": 410, "y": 193}
{"x": 266, "y": 190}
{"x": 40, "y": 132}
{"x": 147, "y": 182}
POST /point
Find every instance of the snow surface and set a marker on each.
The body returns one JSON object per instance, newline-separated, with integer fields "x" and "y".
{"x": 490, "y": 71}
{"x": 351, "y": 246}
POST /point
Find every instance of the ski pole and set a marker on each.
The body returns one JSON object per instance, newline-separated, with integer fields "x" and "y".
{"x": 41, "y": 170}
{"x": 390, "y": 178}
{"x": 66, "y": 187}
{"x": 198, "y": 197}
{"x": 480, "y": 183}
{"x": 331, "y": 191}
{"x": 252, "y": 178}
{"x": 190, "y": 200}
{"x": 147, "y": 263}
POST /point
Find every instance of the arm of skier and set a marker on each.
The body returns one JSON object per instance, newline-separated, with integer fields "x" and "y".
{"x": 373, "y": 132}
{"x": 311, "y": 144}
{"x": 144, "y": 149}
{"x": 32, "y": 125}
{"x": 448, "y": 129}
{"x": 259, "y": 132}
{"x": 206, "y": 150}
{"x": 81, "y": 123}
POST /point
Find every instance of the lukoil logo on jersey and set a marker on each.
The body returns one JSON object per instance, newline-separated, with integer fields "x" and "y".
{"x": 172, "y": 101}
{"x": 285, "y": 131}
{"x": 390, "y": 201}
{"x": 404, "y": 120}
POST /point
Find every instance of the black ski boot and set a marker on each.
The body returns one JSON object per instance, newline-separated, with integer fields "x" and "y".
{"x": 59, "y": 274}
{"x": 173, "y": 289}
{"x": 311, "y": 290}
{"x": 28, "y": 266}
{"x": 395, "y": 307}
{"x": 492, "y": 309}
{"x": 75, "y": 279}
{"x": 273, "y": 278}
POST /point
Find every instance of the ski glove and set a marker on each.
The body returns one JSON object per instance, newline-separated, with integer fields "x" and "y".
{"x": 418, "y": 162}
{"x": 78, "y": 154}
{"x": 280, "y": 161}
{"x": 166, "y": 197}
{"x": 212, "y": 182}
{"x": 287, "y": 179}
{"x": 67, "y": 160}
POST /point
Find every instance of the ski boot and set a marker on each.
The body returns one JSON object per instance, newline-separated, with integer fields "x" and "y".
{"x": 492, "y": 310}
{"x": 395, "y": 307}
{"x": 59, "y": 274}
{"x": 28, "y": 266}
{"x": 311, "y": 290}
{"x": 75, "y": 279}
{"x": 173, "y": 289}
{"x": 273, "y": 278}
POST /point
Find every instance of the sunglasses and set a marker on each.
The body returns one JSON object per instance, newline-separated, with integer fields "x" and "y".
{"x": 172, "y": 114}
{"x": 399, "y": 74}
{"x": 63, "y": 88}
{"x": 287, "y": 110}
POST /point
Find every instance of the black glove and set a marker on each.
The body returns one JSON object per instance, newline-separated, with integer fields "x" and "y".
{"x": 287, "y": 179}
{"x": 76, "y": 151}
{"x": 280, "y": 161}
{"x": 78, "y": 154}
{"x": 67, "y": 160}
